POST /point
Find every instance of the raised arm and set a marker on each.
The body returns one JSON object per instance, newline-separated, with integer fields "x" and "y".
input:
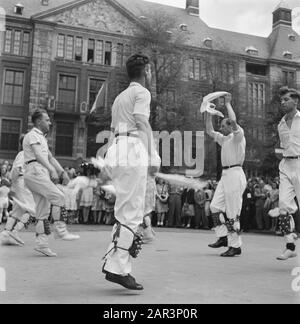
{"x": 231, "y": 113}
{"x": 209, "y": 125}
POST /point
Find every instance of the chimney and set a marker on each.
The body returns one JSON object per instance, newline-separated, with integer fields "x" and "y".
{"x": 282, "y": 15}
{"x": 192, "y": 7}
{"x": 45, "y": 2}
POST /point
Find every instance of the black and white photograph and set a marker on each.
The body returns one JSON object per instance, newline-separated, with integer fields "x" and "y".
{"x": 149, "y": 154}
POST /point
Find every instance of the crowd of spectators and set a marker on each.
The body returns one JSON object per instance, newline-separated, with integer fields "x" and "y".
{"x": 175, "y": 206}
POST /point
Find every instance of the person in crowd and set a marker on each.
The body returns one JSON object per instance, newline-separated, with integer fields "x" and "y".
{"x": 201, "y": 221}
{"x": 188, "y": 209}
{"x": 161, "y": 203}
{"x": 175, "y": 206}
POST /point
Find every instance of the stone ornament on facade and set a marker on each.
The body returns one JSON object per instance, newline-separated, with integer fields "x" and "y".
{"x": 96, "y": 15}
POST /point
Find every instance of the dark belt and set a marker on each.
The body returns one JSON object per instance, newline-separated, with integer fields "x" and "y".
{"x": 32, "y": 161}
{"x": 291, "y": 157}
{"x": 231, "y": 166}
{"x": 126, "y": 135}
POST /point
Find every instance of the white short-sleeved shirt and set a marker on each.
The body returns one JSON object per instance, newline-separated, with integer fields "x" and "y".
{"x": 233, "y": 147}
{"x": 35, "y": 136}
{"x": 290, "y": 137}
{"x": 134, "y": 100}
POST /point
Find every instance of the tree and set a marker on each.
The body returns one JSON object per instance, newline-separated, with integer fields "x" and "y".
{"x": 163, "y": 40}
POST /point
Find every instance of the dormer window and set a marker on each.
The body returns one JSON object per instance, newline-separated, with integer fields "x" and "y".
{"x": 207, "y": 42}
{"x": 183, "y": 27}
{"x": 169, "y": 34}
{"x": 18, "y": 9}
{"x": 287, "y": 55}
{"x": 251, "y": 50}
{"x": 292, "y": 37}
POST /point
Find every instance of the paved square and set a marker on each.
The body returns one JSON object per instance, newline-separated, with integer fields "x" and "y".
{"x": 178, "y": 268}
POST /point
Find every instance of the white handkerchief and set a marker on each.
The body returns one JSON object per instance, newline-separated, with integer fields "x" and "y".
{"x": 207, "y": 106}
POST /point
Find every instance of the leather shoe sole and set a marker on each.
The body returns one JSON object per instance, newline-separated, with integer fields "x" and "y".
{"x": 127, "y": 282}
{"x": 232, "y": 253}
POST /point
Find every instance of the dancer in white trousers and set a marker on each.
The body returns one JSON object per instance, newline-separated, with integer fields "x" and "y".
{"x": 42, "y": 172}
{"x": 289, "y": 133}
{"x": 23, "y": 202}
{"x": 128, "y": 157}
{"x": 226, "y": 205}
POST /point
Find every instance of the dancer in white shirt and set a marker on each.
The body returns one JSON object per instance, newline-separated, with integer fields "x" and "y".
{"x": 23, "y": 202}
{"x": 42, "y": 173}
{"x": 226, "y": 205}
{"x": 289, "y": 133}
{"x": 128, "y": 157}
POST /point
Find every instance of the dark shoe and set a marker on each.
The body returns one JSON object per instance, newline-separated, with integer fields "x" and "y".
{"x": 125, "y": 281}
{"x": 232, "y": 252}
{"x": 222, "y": 242}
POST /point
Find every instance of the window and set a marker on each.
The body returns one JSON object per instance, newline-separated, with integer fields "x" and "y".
{"x": 256, "y": 99}
{"x": 197, "y": 69}
{"x": 61, "y": 45}
{"x": 67, "y": 93}
{"x": 91, "y": 51}
{"x": 94, "y": 87}
{"x": 231, "y": 73}
{"x": 208, "y": 42}
{"x": 10, "y": 133}
{"x": 99, "y": 52}
{"x": 8, "y": 40}
{"x": 13, "y": 87}
{"x": 78, "y": 49}
{"x": 256, "y": 69}
{"x": 25, "y": 47}
{"x": 191, "y": 69}
{"x": 17, "y": 42}
{"x": 107, "y": 56}
{"x": 64, "y": 139}
{"x": 288, "y": 77}
{"x": 120, "y": 50}
{"x": 69, "y": 47}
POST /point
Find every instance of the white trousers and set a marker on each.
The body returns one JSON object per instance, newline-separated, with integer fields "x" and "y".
{"x": 44, "y": 191}
{"x": 228, "y": 199}
{"x": 289, "y": 189}
{"x": 24, "y": 202}
{"x": 127, "y": 160}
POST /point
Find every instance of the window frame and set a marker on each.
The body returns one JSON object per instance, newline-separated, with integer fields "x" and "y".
{"x": 64, "y": 135}
{"x": 89, "y": 84}
{"x": 21, "y": 42}
{"x": 20, "y": 131}
{"x": 4, "y": 84}
{"x": 255, "y": 100}
{"x": 76, "y": 91}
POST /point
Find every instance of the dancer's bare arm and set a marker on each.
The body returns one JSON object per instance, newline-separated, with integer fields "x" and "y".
{"x": 231, "y": 113}
{"x": 209, "y": 125}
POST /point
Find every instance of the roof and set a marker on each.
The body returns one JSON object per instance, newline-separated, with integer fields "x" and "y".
{"x": 268, "y": 47}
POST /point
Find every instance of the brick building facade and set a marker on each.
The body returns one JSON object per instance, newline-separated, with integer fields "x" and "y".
{"x": 57, "y": 54}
